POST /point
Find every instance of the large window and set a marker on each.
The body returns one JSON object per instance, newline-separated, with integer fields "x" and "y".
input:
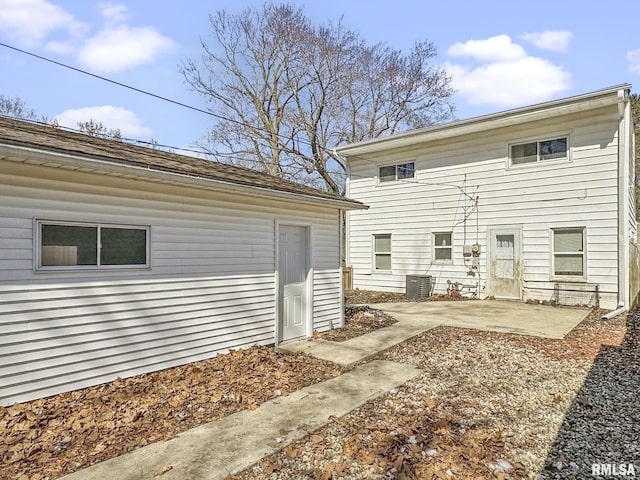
{"x": 568, "y": 252}
{"x": 382, "y": 252}
{"x": 442, "y": 246}
{"x": 401, "y": 171}
{"x": 538, "y": 151}
{"x": 91, "y": 246}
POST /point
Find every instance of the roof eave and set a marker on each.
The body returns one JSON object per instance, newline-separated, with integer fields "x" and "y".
{"x": 588, "y": 101}
{"x": 63, "y": 160}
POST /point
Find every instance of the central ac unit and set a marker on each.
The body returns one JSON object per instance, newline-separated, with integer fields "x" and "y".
{"x": 418, "y": 286}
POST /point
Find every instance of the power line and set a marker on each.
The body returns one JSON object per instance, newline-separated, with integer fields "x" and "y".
{"x": 154, "y": 95}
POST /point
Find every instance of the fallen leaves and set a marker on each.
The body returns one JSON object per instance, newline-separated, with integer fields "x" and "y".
{"x": 57, "y": 435}
{"x": 489, "y": 406}
{"x": 358, "y": 321}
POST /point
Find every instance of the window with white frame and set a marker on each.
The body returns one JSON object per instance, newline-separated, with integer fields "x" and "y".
{"x": 63, "y": 245}
{"x": 400, "y": 171}
{"x": 569, "y": 252}
{"x": 442, "y": 246}
{"x": 539, "y": 151}
{"x": 382, "y": 251}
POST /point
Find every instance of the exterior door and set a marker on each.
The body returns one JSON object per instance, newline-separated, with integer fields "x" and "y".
{"x": 505, "y": 279}
{"x": 292, "y": 273}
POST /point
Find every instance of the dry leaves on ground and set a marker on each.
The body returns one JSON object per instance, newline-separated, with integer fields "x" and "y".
{"x": 364, "y": 297}
{"x": 50, "y": 437}
{"x": 489, "y": 405}
{"x": 358, "y": 321}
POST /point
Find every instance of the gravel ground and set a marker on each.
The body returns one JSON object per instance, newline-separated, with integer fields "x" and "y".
{"x": 489, "y": 405}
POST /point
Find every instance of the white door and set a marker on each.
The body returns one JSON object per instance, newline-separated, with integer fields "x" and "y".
{"x": 292, "y": 273}
{"x": 505, "y": 280}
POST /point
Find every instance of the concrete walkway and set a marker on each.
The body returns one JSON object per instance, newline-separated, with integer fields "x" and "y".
{"x": 236, "y": 442}
{"x": 351, "y": 352}
{"x": 417, "y": 317}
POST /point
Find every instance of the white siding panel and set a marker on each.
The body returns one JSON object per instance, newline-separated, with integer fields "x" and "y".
{"x": 535, "y": 198}
{"x": 210, "y": 286}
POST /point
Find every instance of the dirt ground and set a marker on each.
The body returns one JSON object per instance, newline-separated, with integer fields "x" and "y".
{"x": 489, "y": 405}
{"x": 363, "y": 297}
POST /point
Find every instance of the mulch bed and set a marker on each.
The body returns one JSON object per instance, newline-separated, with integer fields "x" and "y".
{"x": 54, "y": 436}
{"x": 364, "y": 297}
{"x": 358, "y": 321}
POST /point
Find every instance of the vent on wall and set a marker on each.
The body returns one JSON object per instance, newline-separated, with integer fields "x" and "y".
{"x": 418, "y": 286}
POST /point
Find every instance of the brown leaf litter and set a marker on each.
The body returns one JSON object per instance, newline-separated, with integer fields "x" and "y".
{"x": 489, "y": 406}
{"x": 54, "y": 436}
{"x": 358, "y": 321}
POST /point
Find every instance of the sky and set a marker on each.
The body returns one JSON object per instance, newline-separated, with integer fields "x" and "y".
{"x": 500, "y": 54}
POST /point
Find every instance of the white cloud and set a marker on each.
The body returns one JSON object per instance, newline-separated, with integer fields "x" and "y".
{"x": 634, "y": 60}
{"x": 557, "y": 41}
{"x": 502, "y": 74}
{"x": 113, "y": 14}
{"x": 494, "y": 49}
{"x": 115, "y": 47}
{"x": 111, "y": 117}
{"x": 122, "y": 48}
{"x": 29, "y": 22}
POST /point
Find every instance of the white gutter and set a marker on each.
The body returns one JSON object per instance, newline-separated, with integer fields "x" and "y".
{"x": 57, "y": 159}
{"x": 503, "y": 119}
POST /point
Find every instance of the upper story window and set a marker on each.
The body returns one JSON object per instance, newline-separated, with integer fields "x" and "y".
{"x": 71, "y": 246}
{"x": 400, "y": 171}
{"x": 539, "y": 151}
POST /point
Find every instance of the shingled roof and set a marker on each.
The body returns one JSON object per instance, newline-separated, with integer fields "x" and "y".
{"x": 45, "y": 138}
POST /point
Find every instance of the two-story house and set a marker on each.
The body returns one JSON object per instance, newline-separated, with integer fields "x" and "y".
{"x": 535, "y": 203}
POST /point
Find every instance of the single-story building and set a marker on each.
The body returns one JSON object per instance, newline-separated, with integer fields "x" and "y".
{"x": 117, "y": 260}
{"x": 535, "y": 203}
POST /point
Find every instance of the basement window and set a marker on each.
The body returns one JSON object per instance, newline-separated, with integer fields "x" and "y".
{"x": 539, "y": 151}
{"x": 400, "y": 171}
{"x": 382, "y": 252}
{"x": 442, "y": 246}
{"x": 78, "y": 246}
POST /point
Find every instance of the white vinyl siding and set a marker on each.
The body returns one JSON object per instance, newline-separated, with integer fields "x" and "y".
{"x": 210, "y": 285}
{"x": 533, "y": 198}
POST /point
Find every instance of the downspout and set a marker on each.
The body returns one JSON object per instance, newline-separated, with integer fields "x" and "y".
{"x": 341, "y": 214}
{"x": 624, "y": 110}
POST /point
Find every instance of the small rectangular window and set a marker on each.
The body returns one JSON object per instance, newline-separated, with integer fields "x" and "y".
{"x": 382, "y": 252}
{"x": 401, "y": 171}
{"x": 69, "y": 246}
{"x": 442, "y": 246}
{"x": 532, "y": 152}
{"x": 568, "y": 252}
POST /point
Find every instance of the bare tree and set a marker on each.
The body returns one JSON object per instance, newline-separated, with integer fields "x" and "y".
{"x": 285, "y": 91}
{"x": 17, "y": 108}
{"x": 96, "y": 128}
